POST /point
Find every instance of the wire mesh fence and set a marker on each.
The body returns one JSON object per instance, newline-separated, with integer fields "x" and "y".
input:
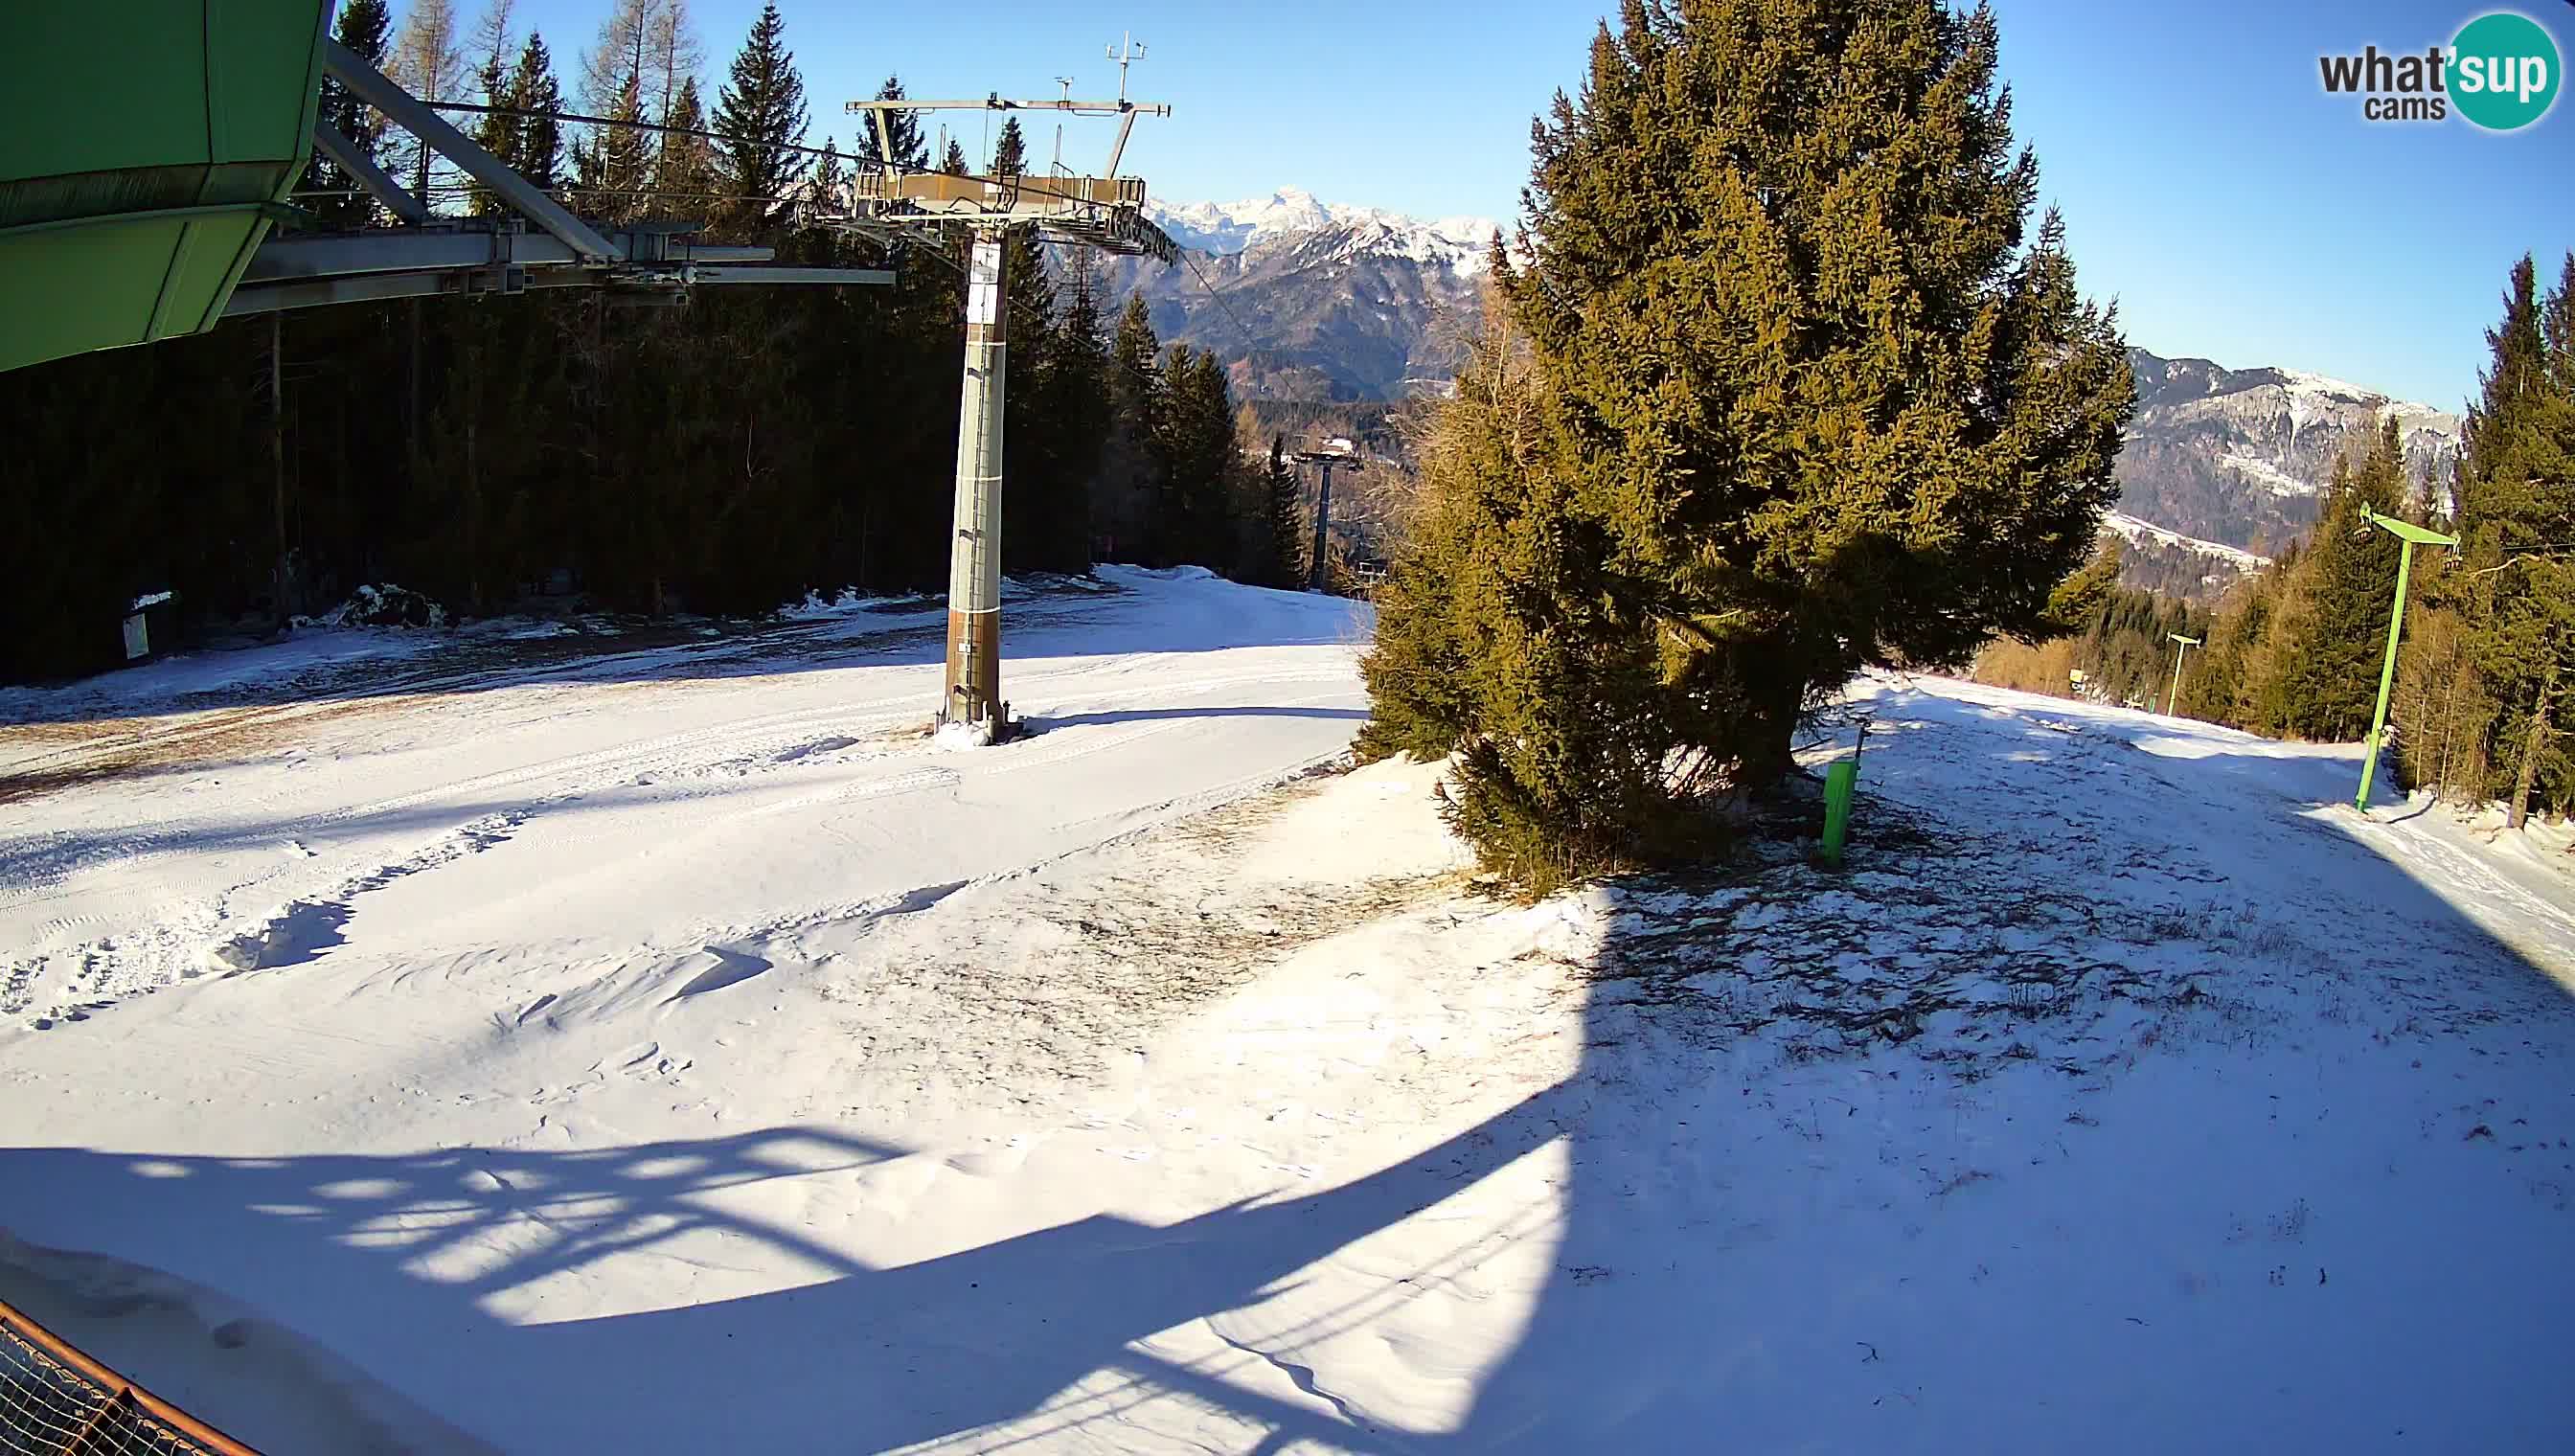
{"x": 56, "y": 1401}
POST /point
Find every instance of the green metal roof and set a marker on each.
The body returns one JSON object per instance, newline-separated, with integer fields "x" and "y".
{"x": 144, "y": 154}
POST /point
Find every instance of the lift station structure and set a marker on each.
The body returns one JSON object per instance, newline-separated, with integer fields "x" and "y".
{"x": 156, "y": 199}
{"x": 157, "y": 203}
{"x": 1105, "y": 213}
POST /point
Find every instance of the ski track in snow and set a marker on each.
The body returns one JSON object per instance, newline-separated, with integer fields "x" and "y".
{"x": 1157, "y": 1083}
{"x": 297, "y": 894}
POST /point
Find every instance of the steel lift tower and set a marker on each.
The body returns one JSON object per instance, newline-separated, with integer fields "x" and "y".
{"x": 1105, "y": 212}
{"x": 1319, "y": 565}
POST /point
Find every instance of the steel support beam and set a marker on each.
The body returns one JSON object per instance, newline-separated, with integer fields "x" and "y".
{"x": 379, "y": 184}
{"x": 996, "y": 103}
{"x": 370, "y": 85}
{"x": 726, "y": 273}
{"x": 401, "y": 249}
{"x": 328, "y": 255}
{"x": 1117, "y": 149}
{"x": 278, "y": 293}
{"x": 362, "y": 288}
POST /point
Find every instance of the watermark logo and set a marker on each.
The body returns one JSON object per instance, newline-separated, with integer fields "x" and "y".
{"x": 2501, "y": 72}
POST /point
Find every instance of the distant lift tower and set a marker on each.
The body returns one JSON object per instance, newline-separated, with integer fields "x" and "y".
{"x": 2181, "y": 649}
{"x": 1107, "y": 213}
{"x": 1318, "y": 575}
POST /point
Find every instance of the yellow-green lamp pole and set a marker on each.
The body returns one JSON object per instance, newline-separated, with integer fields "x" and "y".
{"x": 2181, "y": 649}
{"x": 2412, "y": 536}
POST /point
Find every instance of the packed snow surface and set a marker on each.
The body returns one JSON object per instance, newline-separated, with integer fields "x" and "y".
{"x": 602, "y": 1045}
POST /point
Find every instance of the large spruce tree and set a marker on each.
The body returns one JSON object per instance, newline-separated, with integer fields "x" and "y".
{"x": 902, "y": 127}
{"x": 1814, "y": 397}
{"x": 2518, "y": 521}
{"x": 1010, "y": 150}
{"x": 2317, "y": 677}
{"x": 760, "y": 115}
{"x": 1126, "y": 498}
{"x": 537, "y": 148}
{"x": 363, "y": 26}
{"x": 683, "y": 167}
{"x": 1282, "y": 499}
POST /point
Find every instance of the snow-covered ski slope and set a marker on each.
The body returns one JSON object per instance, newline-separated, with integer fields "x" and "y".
{"x": 659, "y": 1051}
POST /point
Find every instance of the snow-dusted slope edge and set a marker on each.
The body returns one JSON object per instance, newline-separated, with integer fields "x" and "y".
{"x": 2129, "y": 528}
{"x": 762, "y": 1089}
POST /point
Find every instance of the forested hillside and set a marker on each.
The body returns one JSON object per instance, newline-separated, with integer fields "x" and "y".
{"x": 2478, "y": 704}
{"x": 724, "y": 457}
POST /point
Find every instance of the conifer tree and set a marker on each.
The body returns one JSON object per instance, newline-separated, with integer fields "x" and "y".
{"x": 684, "y": 172}
{"x": 1010, "y": 150}
{"x": 537, "y": 149}
{"x": 902, "y": 127}
{"x": 617, "y": 167}
{"x": 2517, "y": 523}
{"x": 1560, "y": 757}
{"x": 1283, "y": 497}
{"x": 1078, "y": 407}
{"x": 2238, "y": 640}
{"x": 497, "y": 132}
{"x": 2442, "y": 712}
{"x": 954, "y": 164}
{"x": 1128, "y": 500}
{"x": 1034, "y": 498}
{"x": 1818, "y": 398}
{"x": 831, "y": 178}
{"x": 2319, "y": 679}
{"x": 1197, "y": 459}
{"x": 362, "y": 26}
{"x": 760, "y": 115}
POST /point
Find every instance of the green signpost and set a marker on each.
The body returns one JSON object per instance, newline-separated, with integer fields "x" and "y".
{"x": 2412, "y": 536}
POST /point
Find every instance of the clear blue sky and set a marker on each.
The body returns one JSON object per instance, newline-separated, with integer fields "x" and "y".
{"x": 2236, "y": 211}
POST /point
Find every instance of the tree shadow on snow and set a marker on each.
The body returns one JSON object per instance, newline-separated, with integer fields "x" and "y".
{"x": 1752, "y": 1250}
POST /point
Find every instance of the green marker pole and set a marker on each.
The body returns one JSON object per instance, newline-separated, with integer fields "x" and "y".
{"x": 2412, "y": 536}
{"x": 1840, "y": 780}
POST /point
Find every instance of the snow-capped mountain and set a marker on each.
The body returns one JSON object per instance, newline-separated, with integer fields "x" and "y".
{"x": 2240, "y": 456}
{"x": 1310, "y": 300}
{"x": 1226, "y": 228}
{"x": 1314, "y": 300}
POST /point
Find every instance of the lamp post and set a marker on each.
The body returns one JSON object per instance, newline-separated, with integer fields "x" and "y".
{"x": 2181, "y": 649}
{"x": 2412, "y": 536}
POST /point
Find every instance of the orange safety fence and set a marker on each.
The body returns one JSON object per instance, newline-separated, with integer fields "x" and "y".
{"x": 56, "y": 1401}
